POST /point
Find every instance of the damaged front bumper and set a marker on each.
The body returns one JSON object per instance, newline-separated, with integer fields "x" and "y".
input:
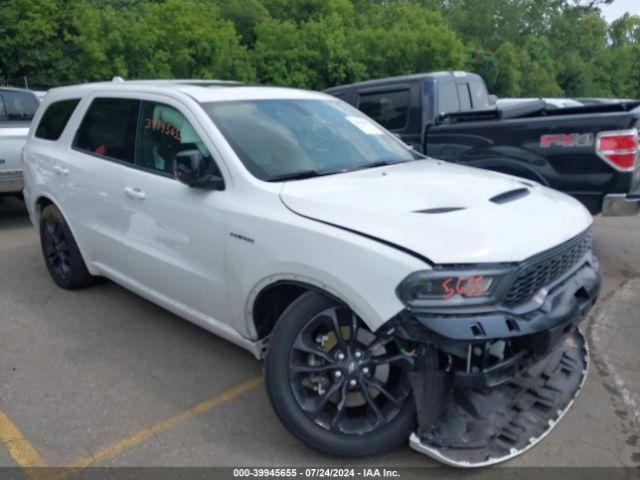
{"x": 506, "y": 378}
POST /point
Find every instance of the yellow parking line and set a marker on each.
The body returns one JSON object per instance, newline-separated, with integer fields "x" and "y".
{"x": 19, "y": 447}
{"x": 142, "y": 435}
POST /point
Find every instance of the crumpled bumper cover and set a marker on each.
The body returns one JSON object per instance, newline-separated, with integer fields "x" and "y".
{"x": 495, "y": 409}
{"x": 480, "y": 428}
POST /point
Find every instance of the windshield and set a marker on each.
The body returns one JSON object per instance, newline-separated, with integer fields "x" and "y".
{"x": 288, "y": 139}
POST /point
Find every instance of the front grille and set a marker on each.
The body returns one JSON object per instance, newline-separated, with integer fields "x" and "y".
{"x": 540, "y": 273}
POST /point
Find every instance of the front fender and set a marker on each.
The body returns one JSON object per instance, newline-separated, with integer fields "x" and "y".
{"x": 359, "y": 271}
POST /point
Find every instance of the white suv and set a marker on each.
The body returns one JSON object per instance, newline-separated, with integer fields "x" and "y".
{"x": 393, "y": 296}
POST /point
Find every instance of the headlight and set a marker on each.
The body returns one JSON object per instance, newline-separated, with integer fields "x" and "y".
{"x": 453, "y": 288}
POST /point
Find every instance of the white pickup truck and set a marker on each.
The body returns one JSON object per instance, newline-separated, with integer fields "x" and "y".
{"x": 17, "y": 107}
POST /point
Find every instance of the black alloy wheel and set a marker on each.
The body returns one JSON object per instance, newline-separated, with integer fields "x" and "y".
{"x": 61, "y": 254}
{"x": 56, "y": 248}
{"x": 335, "y": 384}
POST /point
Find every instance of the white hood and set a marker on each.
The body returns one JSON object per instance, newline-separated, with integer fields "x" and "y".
{"x": 384, "y": 203}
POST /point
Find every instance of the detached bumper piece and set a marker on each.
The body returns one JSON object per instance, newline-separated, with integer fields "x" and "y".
{"x": 483, "y": 426}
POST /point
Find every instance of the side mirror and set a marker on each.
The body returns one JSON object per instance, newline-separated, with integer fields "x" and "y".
{"x": 493, "y": 99}
{"x": 192, "y": 169}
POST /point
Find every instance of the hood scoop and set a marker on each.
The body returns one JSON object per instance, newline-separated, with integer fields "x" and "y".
{"x": 510, "y": 196}
{"x": 439, "y": 210}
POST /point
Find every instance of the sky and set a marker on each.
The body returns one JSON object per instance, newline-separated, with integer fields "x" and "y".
{"x": 619, "y": 8}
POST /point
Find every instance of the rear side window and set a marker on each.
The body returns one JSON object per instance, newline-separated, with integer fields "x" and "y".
{"x": 463, "y": 94}
{"x": 19, "y": 106}
{"x": 389, "y": 109}
{"x": 479, "y": 95}
{"x": 109, "y": 128}
{"x": 55, "y": 118}
{"x": 448, "y": 97}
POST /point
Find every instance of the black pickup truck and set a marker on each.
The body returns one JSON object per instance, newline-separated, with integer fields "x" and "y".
{"x": 589, "y": 152}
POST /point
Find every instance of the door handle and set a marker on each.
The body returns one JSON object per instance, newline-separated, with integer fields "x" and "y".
{"x": 134, "y": 193}
{"x": 59, "y": 169}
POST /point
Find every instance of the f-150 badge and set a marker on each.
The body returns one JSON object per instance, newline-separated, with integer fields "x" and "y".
{"x": 566, "y": 140}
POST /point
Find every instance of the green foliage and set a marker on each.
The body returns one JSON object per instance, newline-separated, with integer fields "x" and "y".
{"x": 520, "y": 47}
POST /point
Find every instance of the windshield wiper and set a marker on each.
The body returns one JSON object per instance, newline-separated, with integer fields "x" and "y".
{"x": 379, "y": 163}
{"x": 300, "y": 175}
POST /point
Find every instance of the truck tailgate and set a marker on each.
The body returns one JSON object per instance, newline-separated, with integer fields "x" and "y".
{"x": 12, "y": 140}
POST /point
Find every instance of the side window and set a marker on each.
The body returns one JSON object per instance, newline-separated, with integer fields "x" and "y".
{"x": 19, "y": 106}
{"x": 463, "y": 94}
{"x": 448, "y": 97}
{"x": 55, "y": 118}
{"x": 389, "y": 109}
{"x": 479, "y": 95}
{"x": 109, "y": 128}
{"x": 163, "y": 132}
{"x": 3, "y": 115}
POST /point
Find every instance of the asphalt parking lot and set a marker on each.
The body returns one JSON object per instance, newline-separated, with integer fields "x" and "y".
{"x": 103, "y": 377}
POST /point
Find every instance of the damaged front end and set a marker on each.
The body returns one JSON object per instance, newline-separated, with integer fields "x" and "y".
{"x": 491, "y": 382}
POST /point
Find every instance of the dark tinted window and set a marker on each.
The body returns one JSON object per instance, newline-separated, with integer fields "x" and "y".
{"x": 3, "y": 115}
{"x": 55, "y": 118}
{"x": 389, "y": 109}
{"x": 479, "y": 95}
{"x": 19, "y": 106}
{"x": 448, "y": 97}
{"x": 109, "y": 128}
{"x": 463, "y": 94}
{"x": 163, "y": 132}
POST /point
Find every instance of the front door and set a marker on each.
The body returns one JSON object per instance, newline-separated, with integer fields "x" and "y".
{"x": 174, "y": 233}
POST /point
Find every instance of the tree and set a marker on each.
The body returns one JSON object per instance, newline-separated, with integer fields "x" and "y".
{"x": 520, "y": 47}
{"x": 399, "y": 38}
{"x": 33, "y": 36}
{"x": 315, "y": 54}
{"x": 508, "y": 78}
{"x": 171, "y": 39}
{"x": 625, "y": 31}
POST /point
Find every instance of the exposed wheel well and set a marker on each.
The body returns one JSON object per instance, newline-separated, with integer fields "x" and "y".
{"x": 41, "y": 204}
{"x": 271, "y": 302}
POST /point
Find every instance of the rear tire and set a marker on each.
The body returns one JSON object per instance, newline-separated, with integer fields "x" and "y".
{"x": 61, "y": 253}
{"x": 350, "y": 424}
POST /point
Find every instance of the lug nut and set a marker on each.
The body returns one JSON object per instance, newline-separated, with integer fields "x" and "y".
{"x": 365, "y": 370}
{"x": 358, "y": 354}
{"x": 353, "y": 382}
{"x": 338, "y": 374}
{"x": 340, "y": 356}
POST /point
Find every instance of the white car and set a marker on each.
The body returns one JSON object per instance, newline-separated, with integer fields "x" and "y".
{"x": 392, "y": 296}
{"x": 17, "y": 107}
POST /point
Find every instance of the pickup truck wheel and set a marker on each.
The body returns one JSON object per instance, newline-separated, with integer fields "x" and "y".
{"x": 61, "y": 253}
{"x": 336, "y": 385}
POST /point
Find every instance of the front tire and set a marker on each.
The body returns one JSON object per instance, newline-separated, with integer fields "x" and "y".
{"x": 334, "y": 384}
{"x": 61, "y": 253}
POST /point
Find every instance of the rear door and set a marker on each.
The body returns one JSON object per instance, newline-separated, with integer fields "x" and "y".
{"x": 397, "y": 107}
{"x": 101, "y": 155}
